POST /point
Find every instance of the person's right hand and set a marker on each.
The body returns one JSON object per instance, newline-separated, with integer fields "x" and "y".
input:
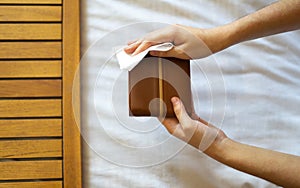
{"x": 189, "y": 42}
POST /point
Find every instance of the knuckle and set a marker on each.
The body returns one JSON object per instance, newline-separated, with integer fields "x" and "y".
{"x": 177, "y": 111}
{"x": 147, "y": 42}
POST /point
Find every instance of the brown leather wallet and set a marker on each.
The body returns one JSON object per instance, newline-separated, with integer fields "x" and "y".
{"x": 154, "y": 81}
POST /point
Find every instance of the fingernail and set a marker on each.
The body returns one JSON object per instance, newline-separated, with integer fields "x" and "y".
{"x": 175, "y": 100}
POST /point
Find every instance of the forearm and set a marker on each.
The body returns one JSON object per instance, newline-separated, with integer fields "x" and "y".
{"x": 279, "y": 168}
{"x": 278, "y": 17}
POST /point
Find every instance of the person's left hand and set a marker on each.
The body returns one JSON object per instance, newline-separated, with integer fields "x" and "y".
{"x": 192, "y": 130}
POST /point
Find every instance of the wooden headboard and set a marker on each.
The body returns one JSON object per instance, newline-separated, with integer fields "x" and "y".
{"x": 39, "y": 55}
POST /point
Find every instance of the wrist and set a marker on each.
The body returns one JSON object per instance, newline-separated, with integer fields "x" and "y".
{"x": 218, "y": 148}
{"x": 220, "y": 38}
{"x": 215, "y": 139}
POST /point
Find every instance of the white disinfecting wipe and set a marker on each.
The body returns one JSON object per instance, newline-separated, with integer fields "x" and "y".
{"x": 128, "y": 62}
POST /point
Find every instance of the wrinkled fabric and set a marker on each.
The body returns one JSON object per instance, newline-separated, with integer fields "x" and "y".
{"x": 260, "y": 105}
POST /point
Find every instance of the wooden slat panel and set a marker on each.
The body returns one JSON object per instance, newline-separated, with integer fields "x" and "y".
{"x": 30, "y": 1}
{"x": 30, "y": 31}
{"x": 31, "y": 69}
{"x": 30, "y": 128}
{"x": 71, "y": 59}
{"x": 30, "y": 88}
{"x": 30, "y": 50}
{"x": 41, "y": 184}
{"x": 30, "y": 108}
{"x": 30, "y": 148}
{"x": 30, "y": 13}
{"x": 30, "y": 169}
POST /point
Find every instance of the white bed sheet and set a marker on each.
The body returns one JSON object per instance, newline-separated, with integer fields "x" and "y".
{"x": 261, "y": 78}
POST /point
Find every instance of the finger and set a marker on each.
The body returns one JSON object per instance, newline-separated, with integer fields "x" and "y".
{"x": 143, "y": 46}
{"x": 202, "y": 121}
{"x": 205, "y": 122}
{"x": 132, "y": 47}
{"x": 131, "y": 42}
{"x": 194, "y": 116}
{"x": 152, "y": 38}
{"x": 174, "y": 52}
{"x": 181, "y": 113}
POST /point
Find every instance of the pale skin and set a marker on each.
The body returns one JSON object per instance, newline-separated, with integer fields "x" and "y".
{"x": 279, "y": 168}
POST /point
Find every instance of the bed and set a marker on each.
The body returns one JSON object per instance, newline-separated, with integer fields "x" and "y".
{"x": 255, "y": 88}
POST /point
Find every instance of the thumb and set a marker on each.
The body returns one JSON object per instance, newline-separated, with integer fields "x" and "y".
{"x": 174, "y": 52}
{"x": 181, "y": 113}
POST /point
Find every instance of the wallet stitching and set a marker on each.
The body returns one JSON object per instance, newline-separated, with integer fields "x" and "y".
{"x": 160, "y": 86}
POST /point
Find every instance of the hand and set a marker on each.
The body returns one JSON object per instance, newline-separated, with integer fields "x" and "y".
{"x": 194, "y": 131}
{"x": 189, "y": 42}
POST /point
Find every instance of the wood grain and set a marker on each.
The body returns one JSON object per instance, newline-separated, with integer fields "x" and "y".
{"x": 30, "y": 69}
{"x": 13, "y": 50}
{"x": 30, "y": 148}
{"x": 19, "y": 170}
{"x": 13, "y": 128}
{"x": 30, "y": 88}
{"x": 30, "y": 13}
{"x": 38, "y": 184}
{"x": 30, "y": 2}
{"x": 71, "y": 59}
{"x": 30, "y": 31}
{"x": 30, "y": 108}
